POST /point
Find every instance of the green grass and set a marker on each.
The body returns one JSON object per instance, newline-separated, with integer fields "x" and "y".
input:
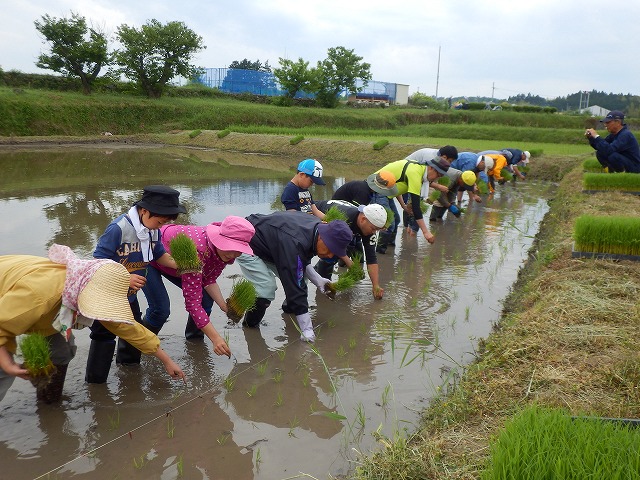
{"x": 611, "y": 234}
{"x": 546, "y": 443}
{"x": 629, "y": 182}
{"x": 184, "y": 252}
{"x": 35, "y": 352}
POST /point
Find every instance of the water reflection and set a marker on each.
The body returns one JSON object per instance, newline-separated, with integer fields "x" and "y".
{"x": 378, "y": 362}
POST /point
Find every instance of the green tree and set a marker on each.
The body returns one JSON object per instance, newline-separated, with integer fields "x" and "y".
{"x": 338, "y": 72}
{"x": 295, "y": 77}
{"x": 156, "y": 53}
{"x": 76, "y": 50}
{"x": 249, "y": 65}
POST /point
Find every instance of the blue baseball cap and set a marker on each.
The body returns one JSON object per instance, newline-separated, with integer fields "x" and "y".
{"x": 313, "y": 168}
{"x": 613, "y": 115}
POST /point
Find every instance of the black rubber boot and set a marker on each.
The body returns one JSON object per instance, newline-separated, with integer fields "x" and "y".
{"x": 384, "y": 239}
{"x": 127, "y": 354}
{"x": 99, "y": 361}
{"x": 324, "y": 269}
{"x": 191, "y": 331}
{"x": 253, "y": 317}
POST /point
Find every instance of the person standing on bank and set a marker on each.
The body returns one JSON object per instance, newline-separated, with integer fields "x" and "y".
{"x": 296, "y": 195}
{"x": 283, "y": 246}
{"x": 218, "y": 245}
{"x": 52, "y": 296}
{"x": 618, "y": 151}
{"x": 133, "y": 240}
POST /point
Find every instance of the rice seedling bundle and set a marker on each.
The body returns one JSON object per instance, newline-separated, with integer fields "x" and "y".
{"x": 616, "y": 234}
{"x": 348, "y": 279}
{"x": 483, "y": 188}
{"x": 334, "y": 213}
{"x": 629, "y": 182}
{"x": 242, "y": 299}
{"x": 390, "y": 217}
{"x": 592, "y": 165}
{"x": 444, "y": 180}
{"x": 547, "y": 443}
{"x": 296, "y": 140}
{"x": 506, "y": 174}
{"x": 184, "y": 252}
{"x": 37, "y": 359}
{"x": 380, "y": 144}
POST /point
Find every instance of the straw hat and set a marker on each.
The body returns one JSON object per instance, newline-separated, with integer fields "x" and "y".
{"x": 104, "y": 297}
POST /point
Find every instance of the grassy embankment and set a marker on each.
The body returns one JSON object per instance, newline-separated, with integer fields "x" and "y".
{"x": 568, "y": 334}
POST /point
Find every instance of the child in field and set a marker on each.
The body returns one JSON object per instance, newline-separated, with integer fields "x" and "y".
{"x": 296, "y": 195}
{"x": 133, "y": 240}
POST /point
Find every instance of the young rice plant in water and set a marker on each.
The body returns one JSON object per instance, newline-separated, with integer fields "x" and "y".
{"x": 184, "y": 252}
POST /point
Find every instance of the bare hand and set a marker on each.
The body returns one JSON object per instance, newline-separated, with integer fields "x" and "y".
{"x": 136, "y": 282}
{"x": 590, "y": 133}
{"x": 220, "y": 347}
{"x": 429, "y": 237}
{"x": 378, "y": 292}
{"x": 174, "y": 370}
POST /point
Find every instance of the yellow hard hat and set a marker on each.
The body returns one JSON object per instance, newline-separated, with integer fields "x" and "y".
{"x": 469, "y": 177}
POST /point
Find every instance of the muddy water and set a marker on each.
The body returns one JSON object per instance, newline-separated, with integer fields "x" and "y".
{"x": 277, "y": 409}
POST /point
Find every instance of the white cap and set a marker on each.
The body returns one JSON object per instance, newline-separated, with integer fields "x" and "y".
{"x": 375, "y": 213}
{"x": 488, "y": 163}
{"x": 527, "y": 156}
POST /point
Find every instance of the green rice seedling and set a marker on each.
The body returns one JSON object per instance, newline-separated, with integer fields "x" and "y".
{"x": 258, "y": 458}
{"x": 306, "y": 379}
{"x": 380, "y": 144}
{"x": 506, "y": 174}
{"x": 252, "y": 391}
{"x": 296, "y": 140}
{"x": 277, "y": 376}
{"x": 390, "y": 217}
{"x": 385, "y": 396}
{"x": 184, "y": 252}
{"x": 180, "y": 466}
{"x": 114, "y": 421}
{"x": 592, "y": 165}
{"x": 334, "y": 213}
{"x": 261, "y": 368}
{"x": 547, "y": 443}
{"x": 139, "y": 462}
{"x": 444, "y": 180}
{"x": 361, "y": 418}
{"x": 195, "y": 133}
{"x": 279, "y": 400}
{"x": 242, "y": 299}
{"x": 37, "y": 359}
{"x": 281, "y": 353}
{"x": 170, "y": 427}
{"x": 341, "y": 351}
{"x": 625, "y": 182}
{"x": 467, "y": 312}
{"x": 424, "y": 206}
{"x": 433, "y": 195}
{"x": 348, "y": 279}
{"x": 229, "y": 383}
{"x": 222, "y": 438}
{"x": 612, "y": 234}
{"x": 352, "y": 343}
{"x": 293, "y": 424}
{"x": 483, "y": 188}
{"x": 223, "y": 133}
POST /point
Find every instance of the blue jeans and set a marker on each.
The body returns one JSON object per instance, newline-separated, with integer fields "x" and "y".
{"x": 158, "y": 299}
{"x": 391, "y": 205}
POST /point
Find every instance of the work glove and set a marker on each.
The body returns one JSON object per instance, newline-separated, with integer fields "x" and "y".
{"x": 455, "y": 210}
{"x": 318, "y": 280}
{"x": 306, "y": 327}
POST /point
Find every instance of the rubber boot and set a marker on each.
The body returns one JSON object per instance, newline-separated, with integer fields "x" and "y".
{"x": 52, "y": 392}
{"x": 324, "y": 269}
{"x": 253, "y": 317}
{"x": 99, "y": 361}
{"x": 127, "y": 354}
{"x": 191, "y": 331}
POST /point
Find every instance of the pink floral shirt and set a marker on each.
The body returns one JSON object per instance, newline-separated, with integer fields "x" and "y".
{"x": 193, "y": 283}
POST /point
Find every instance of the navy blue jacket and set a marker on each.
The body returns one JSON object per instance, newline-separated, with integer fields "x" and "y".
{"x": 624, "y": 142}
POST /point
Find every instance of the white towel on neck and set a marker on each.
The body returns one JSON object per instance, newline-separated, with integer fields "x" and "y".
{"x": 143, "y": 233}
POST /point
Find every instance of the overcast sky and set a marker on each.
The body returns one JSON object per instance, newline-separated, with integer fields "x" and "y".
{"x": 549, "y": 48}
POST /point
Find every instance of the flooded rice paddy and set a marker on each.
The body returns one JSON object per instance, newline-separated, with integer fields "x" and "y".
{"x": 278, "y": 408}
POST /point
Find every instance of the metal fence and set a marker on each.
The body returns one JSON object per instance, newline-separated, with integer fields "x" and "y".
{"x": 233, "y": 80}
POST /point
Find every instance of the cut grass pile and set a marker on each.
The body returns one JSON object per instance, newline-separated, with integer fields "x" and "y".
{"x": 546, "y": 443}
{"x": 627, "y": 182}
{"x": 184, "y": 252}
{"x": 612, "y": 234}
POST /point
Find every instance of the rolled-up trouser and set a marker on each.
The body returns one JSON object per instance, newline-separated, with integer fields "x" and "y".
{"x": 61, "y": 354}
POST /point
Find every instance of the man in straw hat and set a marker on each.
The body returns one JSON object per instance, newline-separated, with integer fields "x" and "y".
{"x": 133, "y": 240}
{"x": 284, "y": 245}
{"x": 52, "y": 296}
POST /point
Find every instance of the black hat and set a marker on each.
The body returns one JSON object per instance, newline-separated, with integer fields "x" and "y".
{"x": 613, "y": 115}
{"x": 161, "y": 200}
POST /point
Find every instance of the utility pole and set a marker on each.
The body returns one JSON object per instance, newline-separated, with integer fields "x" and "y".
{"x": 493, "y": 91}
{"x": 438, "y": 73}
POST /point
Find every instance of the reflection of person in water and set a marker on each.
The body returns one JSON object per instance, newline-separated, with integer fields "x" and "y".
{"x": 44, "y": 296}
